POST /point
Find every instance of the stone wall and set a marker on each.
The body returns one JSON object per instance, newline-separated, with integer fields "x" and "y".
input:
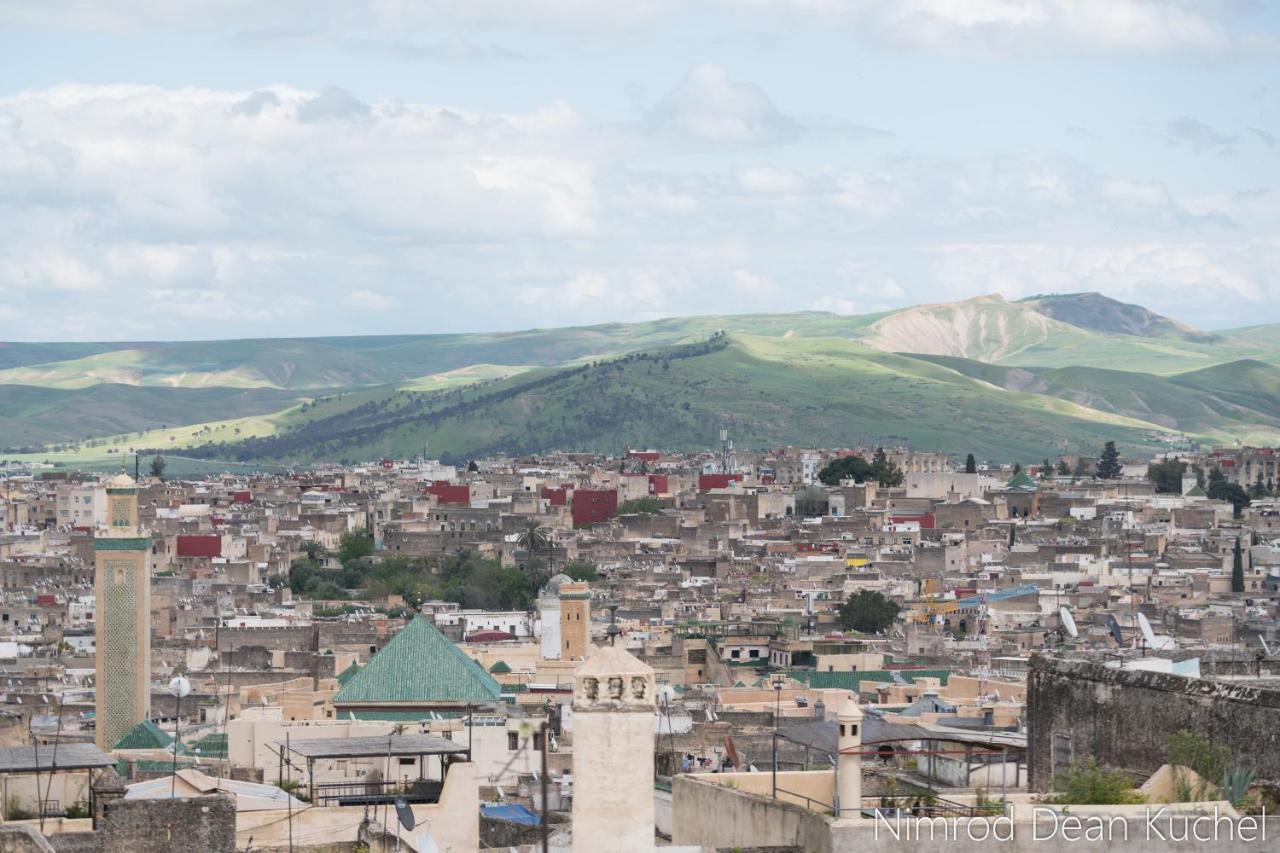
{"x": 207, "y": 824}
{"x": 711, "y": 815}
{"x": 1124, "y": 718}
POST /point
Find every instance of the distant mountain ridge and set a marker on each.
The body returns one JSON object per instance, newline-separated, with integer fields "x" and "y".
{"x": 1060, "y": 368}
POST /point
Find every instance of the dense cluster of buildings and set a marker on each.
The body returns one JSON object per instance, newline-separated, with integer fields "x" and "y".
{"x": 687, "y": 662}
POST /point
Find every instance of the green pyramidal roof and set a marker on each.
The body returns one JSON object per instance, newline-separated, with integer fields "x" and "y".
{"x": 146, "y": 735}
{"x": 500, "y": 667}
{"x": 419, "y": 665}
{"x": 348, "y": 674}
{"x": 1021, "y": 481}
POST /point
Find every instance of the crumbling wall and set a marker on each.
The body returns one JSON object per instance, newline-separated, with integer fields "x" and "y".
{"x": 1124, "y": 718}
{"x": 207, "y": 824}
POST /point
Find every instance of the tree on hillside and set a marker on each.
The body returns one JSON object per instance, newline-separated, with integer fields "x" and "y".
{"x": 354, "y": 546}
{"x": 868, "y": 611}
{"x": 157, "y": 466}
{"x": 1109, "y": 467}
{"x": 970, "y": 464}
{"x": 1166, "y": 476}
{"x": 1237, "y": 569}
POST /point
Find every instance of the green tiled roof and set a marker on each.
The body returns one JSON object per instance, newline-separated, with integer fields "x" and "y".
{"x": 851, "y": 680}
{"x": 1021, "y": 481}
{"x": 212, "y": 746}
{"x": 348, "y": 673}
{"x": 500, "y": 667}
{"x": 146, "y": 735}
{"x": 419, "y": 665}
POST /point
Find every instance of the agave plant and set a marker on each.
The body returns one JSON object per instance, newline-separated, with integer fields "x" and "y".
{"x": 1235, "y": 784}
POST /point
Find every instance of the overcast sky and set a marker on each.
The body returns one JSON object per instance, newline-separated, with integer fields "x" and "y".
{"x": 184, "y": 169}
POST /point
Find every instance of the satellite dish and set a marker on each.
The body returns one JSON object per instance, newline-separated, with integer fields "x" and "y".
{"x": 1150, "y": 637}
{"x": 1114, "y": 627}
{"x": 180, "y": 687}
{"x": 1068, "y": 622}
{"x": 405, "y": 814}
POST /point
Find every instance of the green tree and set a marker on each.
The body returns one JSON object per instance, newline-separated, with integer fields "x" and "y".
{"x": 157, "y": 466}
{"x": 1017, "y": 468}
{"x": 868, "y": 611}
{"x": 1046, "y": 469}
{"x": 1109, "y": 467}
{"x": 354, "y": 546}
{"x": 580, "y": 570}
{"x": 846, "y": 468}
{"x": 970, "y": 464}
{"x": 1259, "y": 488}
{"x": 472, "y": 467}
{"x": 1221, "y": 490}
{"x": 811, "y": 501}
{"x": 886, "y": 473}
{"x": 1063, "y": 468}
{"x": 534, "y": 538}
{"x": 1166, "y": 476}
{"x": 1237, "y": 569}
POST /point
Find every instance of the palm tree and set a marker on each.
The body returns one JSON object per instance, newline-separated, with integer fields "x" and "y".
{"x": 534, "y": 538}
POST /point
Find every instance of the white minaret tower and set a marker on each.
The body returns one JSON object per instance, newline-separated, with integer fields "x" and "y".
{"x": 849, "y": 763}
{"x": 613, "y": 708}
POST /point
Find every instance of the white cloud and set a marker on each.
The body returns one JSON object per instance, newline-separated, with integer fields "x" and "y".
{"x": 369, "y": 300}
{"x": 1016, "y": 27}
{"x": 707, "y": 105}
{"x": 225, "y": 213}
{"x": 46, "y": 267}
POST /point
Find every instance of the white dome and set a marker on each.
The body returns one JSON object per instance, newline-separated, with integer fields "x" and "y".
{"x": 556, "y": 581}
{"x": 121, "y": 481}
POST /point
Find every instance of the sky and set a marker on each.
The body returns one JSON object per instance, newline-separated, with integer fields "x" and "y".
{"x": 175, "y": 169}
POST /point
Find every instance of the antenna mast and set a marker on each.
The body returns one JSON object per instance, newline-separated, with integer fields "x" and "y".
{"x": 984, "y": 654}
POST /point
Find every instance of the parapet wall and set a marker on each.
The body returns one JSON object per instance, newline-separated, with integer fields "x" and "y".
{"x": 1124, "y": 718}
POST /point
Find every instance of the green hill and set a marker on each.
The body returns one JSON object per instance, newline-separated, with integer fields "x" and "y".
{"x": 983, "y": 373}
{"x": 41, "y": 416}
{"x": 823, "y": 392}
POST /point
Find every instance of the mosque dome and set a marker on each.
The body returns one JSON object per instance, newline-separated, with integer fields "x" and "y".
{"x": 121, "y": 481}
{"x": 554, "y": 584}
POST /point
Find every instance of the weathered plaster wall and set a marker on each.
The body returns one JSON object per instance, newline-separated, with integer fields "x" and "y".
{"x": 1124, "y": 718}
{"x": 712, "y": 815}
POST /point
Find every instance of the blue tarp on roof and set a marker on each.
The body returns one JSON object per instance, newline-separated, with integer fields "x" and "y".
{"x": 512, "y": 812}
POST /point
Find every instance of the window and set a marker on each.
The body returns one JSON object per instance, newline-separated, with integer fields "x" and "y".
{"x": 537, "y": 741}
{"x": 513, "y": 741}
{"x": 407, "y": 762}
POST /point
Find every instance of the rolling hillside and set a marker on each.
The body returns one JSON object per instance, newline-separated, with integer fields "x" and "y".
{"x": 1012, "y": 378}
{"x": 821, "y": 391}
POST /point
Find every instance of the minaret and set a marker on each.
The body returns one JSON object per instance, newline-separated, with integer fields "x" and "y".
{"x": 613, "y": 708}
{"x": 575, "y": 620}
{"x": 849, "y": 766}
{"x": 122, "y": 589}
